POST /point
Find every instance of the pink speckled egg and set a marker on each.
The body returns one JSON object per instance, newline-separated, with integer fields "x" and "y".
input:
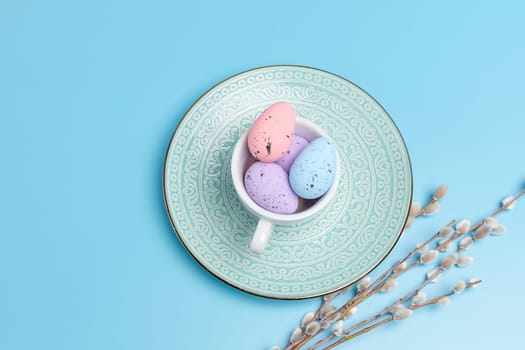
{"x": 267, "y": 185}
{"x": 271, "y": 134}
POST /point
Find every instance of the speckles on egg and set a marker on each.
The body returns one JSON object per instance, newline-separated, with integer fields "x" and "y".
{"x": 313, "y": 171}
{"x": 267, "y": 185}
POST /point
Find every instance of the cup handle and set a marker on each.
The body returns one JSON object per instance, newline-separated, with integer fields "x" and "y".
{"x": 262, "y": 234}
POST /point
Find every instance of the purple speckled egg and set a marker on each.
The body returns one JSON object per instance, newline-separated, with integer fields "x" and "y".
{"x": 297, "y": 145}
{"x": 267, "y": 184}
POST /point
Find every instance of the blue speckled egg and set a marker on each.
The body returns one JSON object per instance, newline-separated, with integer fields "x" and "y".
{"x": 313, "y": 171}
{"x": 267, "y": 184}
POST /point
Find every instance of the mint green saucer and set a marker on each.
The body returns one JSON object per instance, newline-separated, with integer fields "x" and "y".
{"x": 347, "y": 240}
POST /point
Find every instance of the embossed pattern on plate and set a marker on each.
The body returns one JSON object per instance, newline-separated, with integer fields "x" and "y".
{"x": 348, "y": 239}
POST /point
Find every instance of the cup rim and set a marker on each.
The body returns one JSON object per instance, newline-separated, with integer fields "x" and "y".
{"x": 238, "y": 181}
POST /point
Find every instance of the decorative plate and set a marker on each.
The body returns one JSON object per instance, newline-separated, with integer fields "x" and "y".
{"x": 331, "y": 251}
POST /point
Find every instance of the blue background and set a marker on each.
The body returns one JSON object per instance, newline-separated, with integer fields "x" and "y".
{"x": 91, "y": 91}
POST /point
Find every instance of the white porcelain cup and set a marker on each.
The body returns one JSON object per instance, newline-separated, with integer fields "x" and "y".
{"x": 241, "y": 161}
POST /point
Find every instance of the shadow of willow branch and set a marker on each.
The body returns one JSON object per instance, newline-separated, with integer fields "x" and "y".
{"x": 480, "y": 231}
{"x": 302, "y": 335}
